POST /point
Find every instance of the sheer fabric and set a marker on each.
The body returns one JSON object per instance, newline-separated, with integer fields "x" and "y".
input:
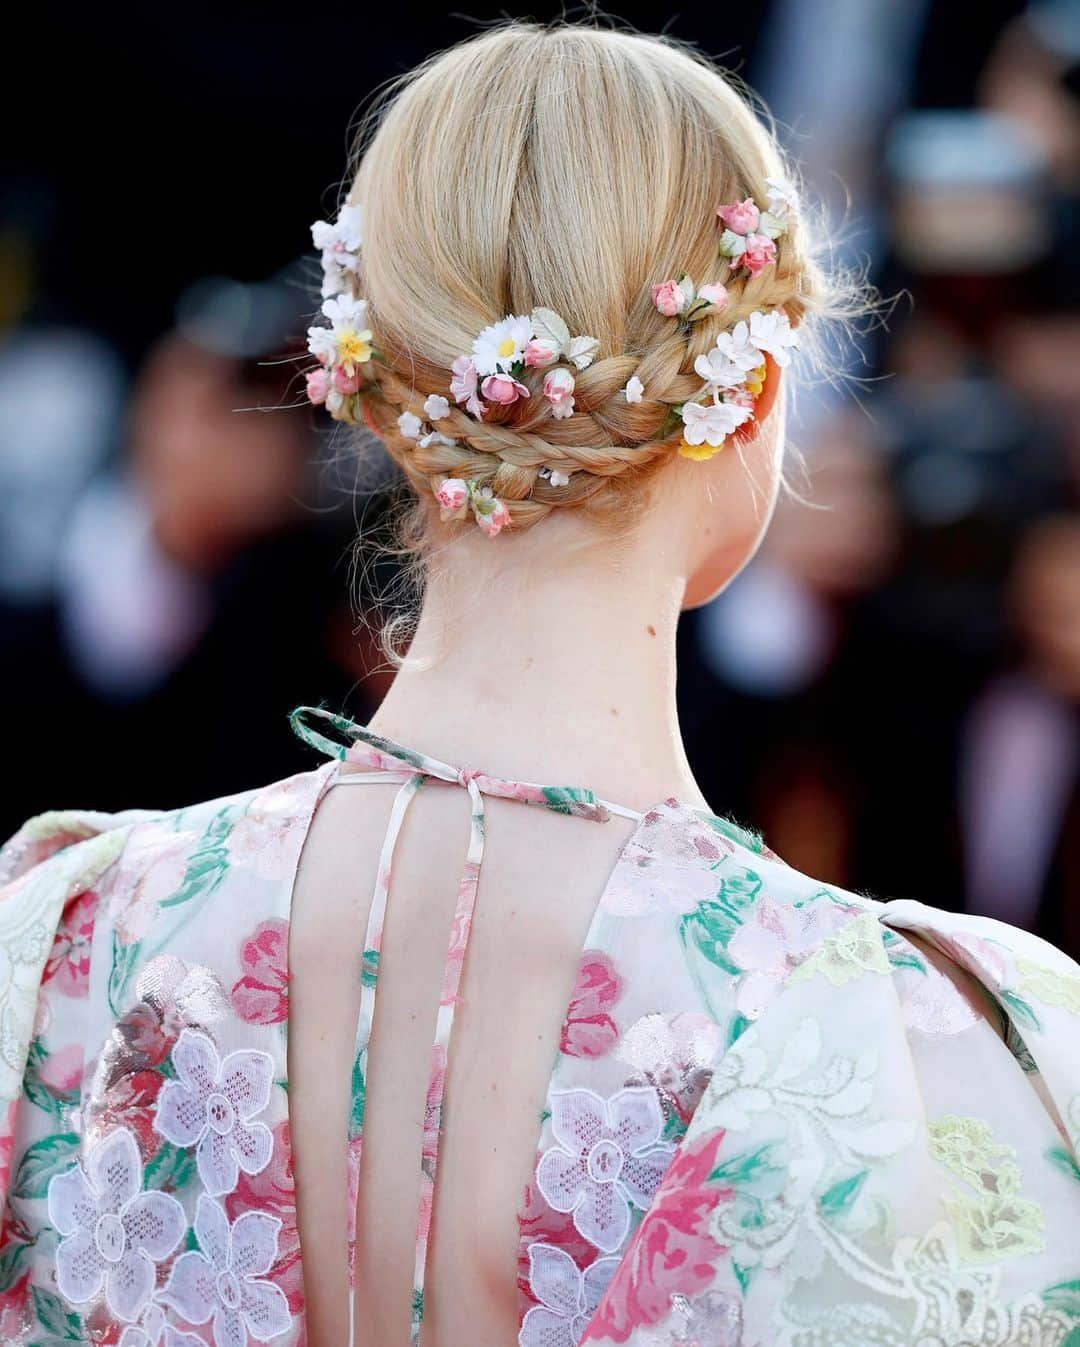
{"x": 776, "y": 1117}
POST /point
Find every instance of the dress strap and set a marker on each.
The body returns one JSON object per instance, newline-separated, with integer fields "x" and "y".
{"x": 394, "y": 762}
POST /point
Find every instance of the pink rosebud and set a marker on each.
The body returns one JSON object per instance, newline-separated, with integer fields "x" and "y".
{"x": 502, "y": 388}
{"x": 318, "y": 386}
{"x": 494, "y": 519}
{"x": 346, "y": 383}
{"x": 669, "y": 298}
{"x": 452, "y": 495}
{"x": 760, "y": 252}
{"x": 559, "y": 391}
{"x": 715, "y": 293}
{"x": 741, "y": 217}
{"x": 539, "y": 353}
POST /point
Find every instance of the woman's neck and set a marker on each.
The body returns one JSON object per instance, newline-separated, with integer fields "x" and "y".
{"x": 562, "y": 675}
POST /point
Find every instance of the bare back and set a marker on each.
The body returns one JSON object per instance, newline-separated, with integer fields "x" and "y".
{"x": 542, "y": 875}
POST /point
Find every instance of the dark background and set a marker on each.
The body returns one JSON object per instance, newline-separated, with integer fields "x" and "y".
{"x": 889, "y": 692}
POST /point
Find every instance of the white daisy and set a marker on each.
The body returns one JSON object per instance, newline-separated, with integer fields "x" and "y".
{"x": 502, "y": 345}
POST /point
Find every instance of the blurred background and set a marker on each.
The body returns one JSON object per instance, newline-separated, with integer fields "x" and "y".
{"x": 890, "y": 691}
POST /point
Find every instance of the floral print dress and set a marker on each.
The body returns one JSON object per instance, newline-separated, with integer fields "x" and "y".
{"x": 776, "y": 1118}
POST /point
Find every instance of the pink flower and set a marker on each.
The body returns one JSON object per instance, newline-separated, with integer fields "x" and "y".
{"x": 15, "y": 1307}
{"x": 273, "y": 1190}
{"x": 503, "y": 389}
{"x": 671, "y": 1253}
{"x": 539, "y": 353}
{"x": 69, "y": 960}
{"x": 7, "y": 1145}
{"x": 346, "y": 383}
{"x": 589, "y": 1031}
{"x": 669, "y": 298}
{"x": 152, "y": 867}
{"x": 131, "y": 1101}
{"x": 453, "y": 496}
{"x": 62, "y": 1070}
{"x": 559, "y": 391}
{"x": 265, "y": 839}
{"x": 463, "y": 385}
{"x": 491, "y": 513}
{"x": 773, "y": 941}
{"x": 741, "y": 217}
{"x": 318, "y": 385}
{"x": 261, "y": 995}
{"x": 715, "y": 293}
{"x": 759, "y": 253}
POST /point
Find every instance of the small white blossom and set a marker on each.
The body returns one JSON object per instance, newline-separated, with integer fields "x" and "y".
{"x": 718, "y": 370}
{"x": 712, "y": 422}
{"x": 634, "y": 389}
{"x": 339, "y": 244}
{"x": 737, "y": 347}
{"x": 772, "y": 332}
{"x": 783, "y": 199}
{"x": 433, "y": 437}
{"x": 436, "y": 407}
{"x": 410, "y": 425}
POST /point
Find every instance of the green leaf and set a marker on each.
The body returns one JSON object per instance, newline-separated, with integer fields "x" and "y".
{"x": 837, "y": 1199}
{"x": 1062, "y": 1158}
{"x": 1020, "y": 1012}
{"x": 208, "y": 863}
{"x": 674, "y": 1128}
{"x": 125, "y": 959}
{"x": 51, "y": 1155}
{"x": 748, "y": 1166}
{"x": 1065, "y": 1297}
{"x": 359, "y": 1096}
{"x": 11, "y": 1263}
{"x": 54, "y": 1316}
{"x": 742, "y": 1275}
{"x": 737, "y": 1026}
{"x": 41, "y": 1095}
{"x": 172, "y": 1168}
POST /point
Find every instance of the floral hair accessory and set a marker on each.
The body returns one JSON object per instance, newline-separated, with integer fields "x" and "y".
{"x": 339, "y": 244}
{"x": 341, "y": 349}
{"x": 679, "y": 299}
{"x": 749, "y": 235}
{"x": 456, "y": 495}
{"x": 502, "y": 352}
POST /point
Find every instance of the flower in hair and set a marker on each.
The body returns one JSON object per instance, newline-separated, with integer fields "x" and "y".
{"x": 552, "y": 341}
{"x": 339, "y": 244}
{"x": 491, "y": 513}
{"x": 410, "y": 425}
{"x": 680, "y": 299}
{"x": 753, "y": 251}
{"x": 634, "y": 389}
{"x": 741, "y": 217}
{"x": 559, "y": 391}
{"x": 783, "y": 199}
{"x": 453, "y": 497}
{"x": 773, "y": 334}
{"x": 463, "y": 385}
{"x": 554, "y": 476}
{"x": 501, "y": 346}
{"x": 749, "y": 234}
{"x": 347, "y": 342}
{"x": 503, "y": 389}
{"x": 436, "y": 407}
{"x": 707, "y": 425}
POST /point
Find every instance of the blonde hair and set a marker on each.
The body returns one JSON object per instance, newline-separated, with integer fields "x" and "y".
{"x": 568, "y": 166}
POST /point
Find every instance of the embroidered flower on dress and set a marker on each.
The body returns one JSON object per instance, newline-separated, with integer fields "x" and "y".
{"x": 113, "y": 1232}
{"x": 568, "y": 1296}
{"x": 261, "y": 994}
{"x": 224, "y": 1282}
{"x": 153, "y": 1331}
{"x": 608, "y": 1155}
{"x": 69, "y": 959}
{"x": 211, "y": 1107}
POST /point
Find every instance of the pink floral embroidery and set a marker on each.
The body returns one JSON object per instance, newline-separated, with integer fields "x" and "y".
{"x": 261, "y": 995}
{"x": 62, "y": 1070}
{"x": 69, "y": 961}
{"x": 589, "y": 1031}
{"x": 671, "y": 1253}
{"x": 265, "y": 838}
{"x": 273, "y": 1190}
{"x": 774, "y": 940}
{"x": 608, "y": 1155}
{"x": 151, "y": 869}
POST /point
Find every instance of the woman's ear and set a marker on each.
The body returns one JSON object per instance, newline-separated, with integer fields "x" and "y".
{"x": 763, "y": 403}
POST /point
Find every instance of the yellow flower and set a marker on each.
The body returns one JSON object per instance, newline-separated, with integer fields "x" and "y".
{"x": 755, "y": 380}
{"x": 354, "y": 348}
{"x": 699, "y": 452}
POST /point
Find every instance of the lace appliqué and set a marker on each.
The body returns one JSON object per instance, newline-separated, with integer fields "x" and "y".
{"x": 114, "y": 1232}
{"x": 212, "y": 1106}
{"x": 568, "y": 1296}
{"x": 858, "y": 947}
{"x": 153, "y": 1331}
{"x": 1051, "y": 986}
{"x": 608, "y": 1157}
{"x": 223, "y": 1282}
{"x": 991, "y": 1219}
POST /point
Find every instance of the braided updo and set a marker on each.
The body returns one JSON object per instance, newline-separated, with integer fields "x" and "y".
{"x": 570, "y": 167}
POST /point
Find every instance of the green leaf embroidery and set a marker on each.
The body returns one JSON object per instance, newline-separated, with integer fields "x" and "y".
{"x": 1063, "y": 1159}
{"x": 11, "y": 1263}
{"x": 1064, "y": 1296}
{"x": 1021, "y": 1012}
{"x": 359, "y": 1096}
{"x": 171, "y": 1168}
{"x": 674, "y": 1128}
{"x": 51, "y": 1155}
{"x": 742, "y": 1275}
{"x": 748, "y": 1166}
{"x": 837, "y": 1199}
{"x": 737, "y": 1026}
{"x": 125, "y": 959}
{"x": 55, "y": 1317}
{"x": 208, "y": 863}
{"x": 40, "y": 1095}
{"x": 711, "y": 925}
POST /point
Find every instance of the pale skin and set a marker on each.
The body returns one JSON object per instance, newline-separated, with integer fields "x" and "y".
{"x": 541, "y": 661}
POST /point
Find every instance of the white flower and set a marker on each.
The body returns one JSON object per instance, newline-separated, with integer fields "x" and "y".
{"x": 718, "y": 370}
{"x": 410, "y": 425}
{"x": 783, "y": 198}
{"x": 212, "y": 1105}
{"x": 772, "y": 332}
{"x": 712, "y": 422}
{"x": 153, "y": 1331}
{"x": 502, "y": 344}
{"x": 737, "y": 347}
{"x": 436, "y": 407}
{"x": 113, "y": 1231}
{"x": 434, "y": 437}
{"x": 608, "y": 1155}
{"x": 568, "y": 1296}
{"x": 551, "y": 339}
{"x": 223, "y": 1282}
{"x": 339, "y": 244}
{"x": 634, "y": 389}
{"x": 554, "y": 476}
{"x": 322, "y": 344}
